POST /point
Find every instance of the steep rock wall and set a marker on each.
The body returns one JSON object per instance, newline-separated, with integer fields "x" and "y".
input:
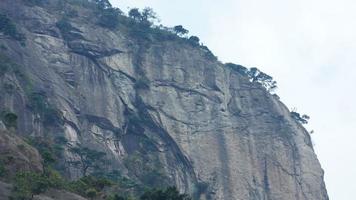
{"x": 155, "y": 107}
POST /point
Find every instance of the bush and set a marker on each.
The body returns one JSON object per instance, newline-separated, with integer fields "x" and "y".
{"x": 9, "y": 119}
{"x": 194, "y": 40}
{"x": 91, "y": 193}
{"x": 180, "y": 30}
{"x": 28, "y": 184}
{"x": 303, "y": 119}
{"x": 170, "y": 193}
{"x": 89, "y": 183}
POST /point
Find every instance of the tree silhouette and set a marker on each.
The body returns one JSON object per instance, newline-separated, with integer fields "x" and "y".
{"x": 179, "y": 30}
{"x": 89, "y": 159}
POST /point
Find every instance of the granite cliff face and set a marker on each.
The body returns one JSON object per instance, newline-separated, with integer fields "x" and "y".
{"x": 162, "y": 110}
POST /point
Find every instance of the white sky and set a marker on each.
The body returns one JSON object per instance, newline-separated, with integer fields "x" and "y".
{"x": 308, "y": 46}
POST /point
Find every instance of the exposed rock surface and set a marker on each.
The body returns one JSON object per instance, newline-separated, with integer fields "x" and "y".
{"x": 17, "y": 155}
{"x": 58, "y": 195}
{"x": 156, "y": 106}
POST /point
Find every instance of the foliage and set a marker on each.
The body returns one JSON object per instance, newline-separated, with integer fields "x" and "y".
{"x": 171, "y": 193}
{"x": 8, "y": 28}
{"x": 194, "y": 40}
{"x": 179, "y": 30}
{"x": 28, "y": 184}
{"x": 146, "y": 17}
{"x": 51, "y": 151}
{"x": 264, "y": 79}
{"x": 9, "y": 119}
{"x": 91, "y": 193}
{"x": 90, "y": 159}
{"x": 303, "y": 119}
{"x": 103, "y": 4}
{"x": 88, "y": 184}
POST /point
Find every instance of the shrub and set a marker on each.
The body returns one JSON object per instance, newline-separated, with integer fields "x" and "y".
{"x": 194, "y": 40}
{"x": 89, "y": 183}
{"x": 9, "y": 119}
{"x": 28, "y": 184}
{"x": 303, "y": 119}
{"x": 170, "y": 193}
{"x": 91, "y": 193}
{"x": 179, "y": 30}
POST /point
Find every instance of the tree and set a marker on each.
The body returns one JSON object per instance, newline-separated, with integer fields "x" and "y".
{"x": 179, "y": 30}
{"x": 146, "y": 17}
{"x": 264, "y": 79}
{"x": 103, "y": 4}
{"x": 89, "y": 159}
{"x": 303, "y": 119}
{"x": 135, "y": 14}
{"x": 194, "y": 40}
{"x": 148, "y": 14}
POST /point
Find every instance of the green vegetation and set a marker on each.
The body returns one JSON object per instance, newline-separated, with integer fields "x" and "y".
{"x": 194, "y": 40}
{"x": 146, "y": 17}
{"x": 28, "y": 184}
{"x": 264, "y": 79}
{"x": 90, "y": 159}
{"x": 51, "y": 150}
{"x": 9, "y": 119}
{"x": 8, "y": 28}
{"x": 89, "y": 186}
{"x": 255, "y": 76}
{"x": 171, "y": 193}
{"x": 179, "y": 30}
{"x": 303, "y": 119}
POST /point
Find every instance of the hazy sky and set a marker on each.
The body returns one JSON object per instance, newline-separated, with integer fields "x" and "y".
{"x": 308, "y": 46}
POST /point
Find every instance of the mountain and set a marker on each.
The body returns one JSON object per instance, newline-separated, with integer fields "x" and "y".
{"x": 88, "y": 92}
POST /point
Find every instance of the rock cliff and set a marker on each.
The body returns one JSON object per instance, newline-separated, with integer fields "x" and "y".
{"x": 161, "y": 110}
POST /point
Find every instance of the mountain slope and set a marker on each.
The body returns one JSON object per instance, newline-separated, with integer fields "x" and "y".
{"x": 160, "y": 110}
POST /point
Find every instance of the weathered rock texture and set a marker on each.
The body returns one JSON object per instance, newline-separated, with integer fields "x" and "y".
{"x": 159, "y": 108}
